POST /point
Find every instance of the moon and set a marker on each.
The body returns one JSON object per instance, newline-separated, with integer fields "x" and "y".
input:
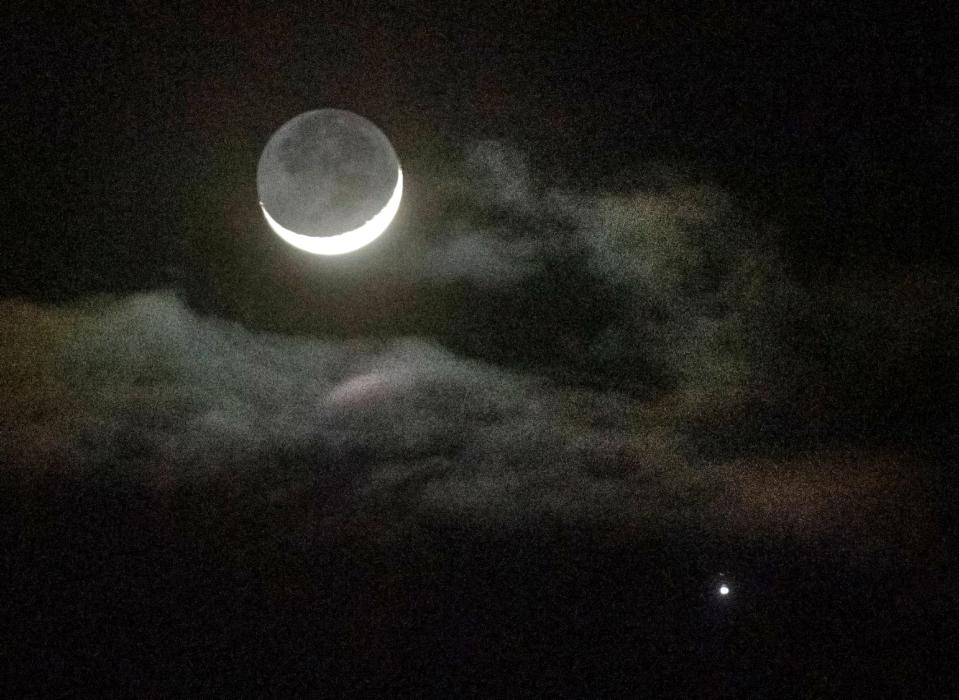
{"x": 329, "y": 182}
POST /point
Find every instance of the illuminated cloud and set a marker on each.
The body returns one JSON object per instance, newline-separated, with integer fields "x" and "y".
{"x": 400, "y": 430}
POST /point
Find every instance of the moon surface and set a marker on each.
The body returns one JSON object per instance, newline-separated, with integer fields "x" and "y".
{"x": 329, "y": 182}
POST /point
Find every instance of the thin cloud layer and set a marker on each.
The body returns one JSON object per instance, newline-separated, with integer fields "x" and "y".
{"x": 665, "y": 288}
{"x": 145, "y": 374}
{"x": 484, "y": 259}
{"x": 402, "y": 429}
{"x": 566, "y": 356}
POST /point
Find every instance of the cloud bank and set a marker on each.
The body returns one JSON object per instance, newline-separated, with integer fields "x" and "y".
{"x": 400, "y": 431}
{"x": 566, "y": 356}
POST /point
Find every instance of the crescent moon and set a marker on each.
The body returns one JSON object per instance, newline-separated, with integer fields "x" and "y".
{"x": 347, "y": 241}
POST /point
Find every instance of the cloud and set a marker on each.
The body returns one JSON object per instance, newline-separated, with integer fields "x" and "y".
{"x": 147, "y": 371}
{"x": 575, "y": 356}
{"x": 399, "y": 430}
{"x": 669, "y": 287}
{"x": 485, "y": 222}
{"x": 480, "y": 258}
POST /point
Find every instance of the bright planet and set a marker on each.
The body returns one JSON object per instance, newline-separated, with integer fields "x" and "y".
{"x": 329, "y": 182}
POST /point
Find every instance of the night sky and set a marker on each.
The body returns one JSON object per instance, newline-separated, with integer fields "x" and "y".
{"x": 671, "y": 304}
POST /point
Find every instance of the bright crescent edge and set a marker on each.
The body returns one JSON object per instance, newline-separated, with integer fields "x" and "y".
{"x": 348, "y": 241}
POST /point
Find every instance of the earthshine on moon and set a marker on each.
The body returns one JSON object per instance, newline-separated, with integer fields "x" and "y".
{"x": 329, "y": 182}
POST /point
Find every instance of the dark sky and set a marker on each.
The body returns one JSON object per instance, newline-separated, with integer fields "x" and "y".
{"x": 835, "y": 120}
{"x": 669, "y": 302}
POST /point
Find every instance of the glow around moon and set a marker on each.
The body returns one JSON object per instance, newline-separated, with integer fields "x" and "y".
{"x": 347, "y": 241}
